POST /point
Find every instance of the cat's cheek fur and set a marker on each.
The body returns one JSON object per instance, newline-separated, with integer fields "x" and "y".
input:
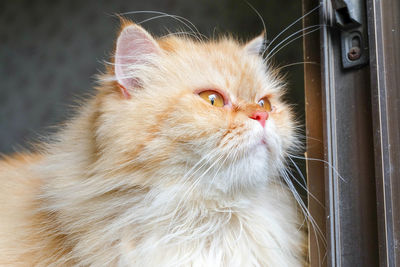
{"x": 285, "y": 127}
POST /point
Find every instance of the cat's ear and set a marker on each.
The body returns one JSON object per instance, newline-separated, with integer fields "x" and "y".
{"x": 256, "y": 46}
{"x": 135, "y": 48}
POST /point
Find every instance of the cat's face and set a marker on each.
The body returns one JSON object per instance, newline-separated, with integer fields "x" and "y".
{"x": 190, "y": 113}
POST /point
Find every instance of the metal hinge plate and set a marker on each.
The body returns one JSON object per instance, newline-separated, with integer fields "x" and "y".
{"x": 350, "y": 17}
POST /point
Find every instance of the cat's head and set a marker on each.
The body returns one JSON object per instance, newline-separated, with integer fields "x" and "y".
{"x": 207, "y": 115}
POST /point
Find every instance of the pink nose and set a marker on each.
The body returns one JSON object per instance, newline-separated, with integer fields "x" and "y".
{"x": 260, "y": 116}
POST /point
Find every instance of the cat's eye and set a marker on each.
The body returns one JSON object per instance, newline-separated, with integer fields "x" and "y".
{"x": 212, "y": 97}
{"x": 265, "y": 104}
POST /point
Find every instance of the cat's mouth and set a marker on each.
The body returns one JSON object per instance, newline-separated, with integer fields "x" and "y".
{"x": 263, "y": 141}
{"x": 263, "y": 144}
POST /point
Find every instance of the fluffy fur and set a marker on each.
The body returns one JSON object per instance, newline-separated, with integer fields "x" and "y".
{"x": 150, "y": 174}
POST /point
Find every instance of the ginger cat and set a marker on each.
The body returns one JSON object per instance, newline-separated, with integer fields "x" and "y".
{"x": 175, "y": 161}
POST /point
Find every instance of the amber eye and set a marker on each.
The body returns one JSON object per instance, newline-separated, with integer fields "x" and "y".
{"x": 213, "y": 98}
{"x": 265, "y": 104}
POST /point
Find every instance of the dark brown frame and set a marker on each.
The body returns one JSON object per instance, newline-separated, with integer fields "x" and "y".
{"x": 384, "y": 32}
{"x": 352, "y": 117}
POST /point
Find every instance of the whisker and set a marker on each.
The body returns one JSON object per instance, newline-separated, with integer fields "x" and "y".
{"x": 204, "y": 160}
{"x": 293, "y": 23}
{"x": 259, "y": 16}
{"x": 271, "y": 53}
{"x": 315, "y": 139}
{"x": 181, "y": 33}
{"x": 178, "y": 18}
{"x": 304, "y": 187}
{"x": 186, "y": 195}
{"x": 324, "y": 161}
{"x": 297, "y": 63}
{"x": 194, "y": 184}
{"x": 298, "y": 170}
{"x": 305, "y": 211}
{"x": 216, "y": 173}
{"x": 301, "y": 203}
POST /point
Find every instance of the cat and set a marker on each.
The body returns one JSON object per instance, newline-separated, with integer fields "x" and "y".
{"x": 175, "y": 161}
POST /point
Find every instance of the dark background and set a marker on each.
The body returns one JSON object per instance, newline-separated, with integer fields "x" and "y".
{"x": 50, "y": 51}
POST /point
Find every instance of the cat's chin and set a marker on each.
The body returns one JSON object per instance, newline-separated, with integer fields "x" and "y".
{"x": 262, "y": 143}
{"x": 246, "y": 174}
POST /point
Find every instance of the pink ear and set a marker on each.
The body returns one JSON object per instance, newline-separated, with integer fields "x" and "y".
{"x": 135, "y": 48}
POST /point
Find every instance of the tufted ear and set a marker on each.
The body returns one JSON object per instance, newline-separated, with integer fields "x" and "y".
{"x": 135, "y": 48}
{"x": 256, "y": 46}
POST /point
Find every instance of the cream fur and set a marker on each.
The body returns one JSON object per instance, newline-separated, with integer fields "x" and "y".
{"x": 161, "y": 178}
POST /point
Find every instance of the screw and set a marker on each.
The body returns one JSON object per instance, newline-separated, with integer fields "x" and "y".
{"x": 354, "y": 53}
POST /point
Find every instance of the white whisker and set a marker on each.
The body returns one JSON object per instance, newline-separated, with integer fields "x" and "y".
{"x": 279, "y": 47}
{"x": 180, "y": 19}
{"x": 298, "y": 63}
{"x": 303, "y": 185}
{"x": 259, "y": 16}
{"x": 181, "y": 33}
{"x": 323, "y": 161}
{"x": 288, "y": 27}
{"x": 306, "y": 212}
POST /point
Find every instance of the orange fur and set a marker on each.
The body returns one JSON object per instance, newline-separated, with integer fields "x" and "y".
{"x": 83, "y": 199}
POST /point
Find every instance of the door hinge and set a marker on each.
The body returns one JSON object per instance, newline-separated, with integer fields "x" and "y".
{"x": 350, "y": 17}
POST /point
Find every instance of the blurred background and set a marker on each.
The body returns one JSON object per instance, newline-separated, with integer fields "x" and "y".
{"x": 50, "y": 51}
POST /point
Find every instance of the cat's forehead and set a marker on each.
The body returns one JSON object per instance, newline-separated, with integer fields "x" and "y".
{"x": 223, "y": 64}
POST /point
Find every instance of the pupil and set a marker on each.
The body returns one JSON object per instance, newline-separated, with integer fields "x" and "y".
{"x": 261, "y": 103}
{"x": 212, "y": 99}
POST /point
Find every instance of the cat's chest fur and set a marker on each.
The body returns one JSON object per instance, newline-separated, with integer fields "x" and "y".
{"x": 251, "y": 231}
